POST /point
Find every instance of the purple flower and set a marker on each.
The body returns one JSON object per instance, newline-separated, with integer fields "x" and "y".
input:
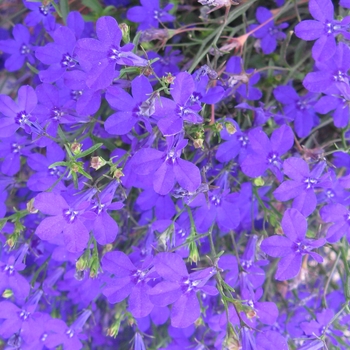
{"x": 298, "y": 108}
{"x": 127, "y": 280}
{"x": 291, "y": 247}
{"x": 241, "y": 83}
{"x": 266, "y": 154}
{"x": 64, "y": 218}
{"x": 20, "y": 49}
{"x": 180, "y": 288}
{"x": 18, "y": 115}
{"x": 58, "y": 55}
{"x": 330, "y": 72}
{"x": 60, "y": 333}
{"x": 167, "y": 168}
{"x": 44, "y": 177}
{"x": 339, "y": 103}
{"x": 237, "y": 143}
{"x": 269, "y": 34}
{"x": 179, "y": 110}
{"x": 11, "y": 150}
{"x": 322, "y": 325}
{"x": 10, "y": 278}
{"x": 87, "y": 101}
{"x": 52, "y": 109}
{"x": 218, "y": 206}
{"x": 149, "y": 15}
{"x": 131, "y": 109}
{"x": 302, "y": 185}
{"x": 324, "y": 28}
{"x": 40, "y": 13}
{"x": 98, "y": 57}
{"x": 339, "y": 215}
{"x": 265, "y": 311}
{"x": 19, "y": 319}
{"x": 105, "y": 227}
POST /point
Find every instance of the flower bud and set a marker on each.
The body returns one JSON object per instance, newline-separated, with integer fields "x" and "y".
{"x": 7, "y": 293}
{"x": 113, "y": 330}
{"x": 259, "y": 181}
{"x": 94, "y": 266}
{"x": 30, "y": 207}
{"x": 125, "y": 32}
{"x": 117, "y": 173}
{"x": 75, "y": 147}
{"x": 168, "y": 79}
{"x": 230, "y": 128}
{"x": 194, "y": 254}
{"x": 97, "y": 162}
{"x": 198, "y": 143}
{"x": 82, "y": 263}
{"x": 218, "y": 127}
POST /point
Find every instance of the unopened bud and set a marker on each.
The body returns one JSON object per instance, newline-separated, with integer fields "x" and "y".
{"x": 198, "y": 143}
{"x": 82, "y": 263}
{"x": 219, "y": 127}
{"x": 76, "y": 147}
{"x": 30, "y": 207}
{"x": 117, "y": 174}
{"x": 125, "y": 32}
{"x": 147, "y": 71}
{"x": 230, "y": 128}
{"x": 251, "y": 314}
{"x": 259, "y": 181}
{"x": 113, "y": 330}
{"x": 97, "y": 162}
{"x": 7, "y": 293}
{"x": 194, "y": 255}
{"x": 168, "y": 79}
{"x": 94, "y": 266}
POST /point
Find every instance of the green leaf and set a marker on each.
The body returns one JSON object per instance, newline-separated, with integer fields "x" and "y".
{"x": 58, "y": 164}
{"x": 108, "y": 10}
{"x": 93, "y": 5}
{"x": 88, "y": 151}
{"x": 32, "y": 68}
{"x": 64, "y": 7}
{"x": 57, "y": 9}
{"x": 83, "y": 172}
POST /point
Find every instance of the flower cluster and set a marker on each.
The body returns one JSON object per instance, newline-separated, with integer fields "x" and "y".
{"x": 150, "y": 177}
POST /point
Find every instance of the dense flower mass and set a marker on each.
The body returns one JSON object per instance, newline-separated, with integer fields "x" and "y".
{"x": 174, "y": 174}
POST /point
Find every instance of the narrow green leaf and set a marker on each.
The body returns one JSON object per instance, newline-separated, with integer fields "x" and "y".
{"x": 58, "y": 164}
{"x": 64, "y": 7}
{"x": 32, "y": 68}
{"x": 57, "y": 9}
{"x": 88, "y": 151}
{"x": 107, "y": 11}
{"x": 93, "y": 5}
{"x": 83, "y": 172}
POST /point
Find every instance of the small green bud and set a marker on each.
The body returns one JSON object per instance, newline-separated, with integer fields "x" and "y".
{"x": 194, "y": 254}
{"x": 94, "y": 266}
{"x": 117, "y": 173}
{"x": 7, "y": 293}
{"x": 259, "y": 181}
{"x": 113, "y": 330}
{"x": 82, "y": 263}
{"x": 30, "y": 207}
{"x": 75, "y": 147}
{"x": 97, "y": 162}
{"x": 198, "y": 143}
{"x": 168, "y": 79}
{"x": 230, "y": 128}
{"x": 125, "y": 32}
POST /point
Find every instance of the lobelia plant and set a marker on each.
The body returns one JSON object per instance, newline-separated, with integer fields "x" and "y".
{"x": 156, "y": 157}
